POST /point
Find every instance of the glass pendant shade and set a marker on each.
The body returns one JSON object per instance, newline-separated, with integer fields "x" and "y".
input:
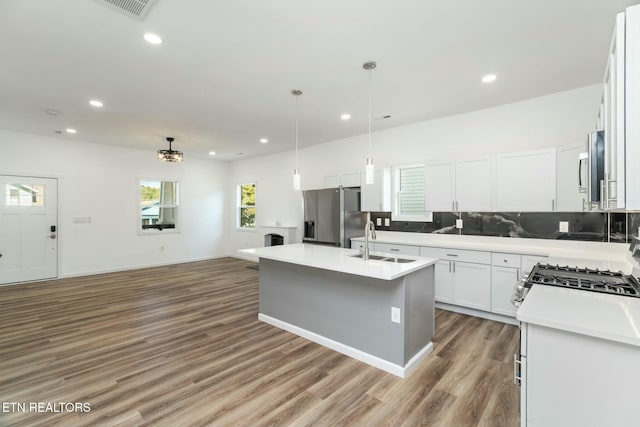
{"x": 368, "y": 171}
{"x": 296, "y": 179}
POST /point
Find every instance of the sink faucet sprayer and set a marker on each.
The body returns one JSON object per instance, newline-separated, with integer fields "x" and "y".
{"x": 368, "y": 228}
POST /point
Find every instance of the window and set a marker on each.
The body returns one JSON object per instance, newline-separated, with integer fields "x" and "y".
{"x": 409, "y": 194}
{"x": 158, "y": 205}
{"x": 246, "y": 206}
{"x": 24, "y": 195}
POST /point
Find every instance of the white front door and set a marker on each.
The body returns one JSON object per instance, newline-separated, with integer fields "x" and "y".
{"x": 28, "y": 228}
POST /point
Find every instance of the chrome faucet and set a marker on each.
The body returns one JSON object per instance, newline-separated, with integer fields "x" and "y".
{"x": 368, "y": 228}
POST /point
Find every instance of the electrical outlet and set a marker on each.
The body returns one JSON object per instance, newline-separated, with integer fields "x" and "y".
{"x": 395, "y": 314}
{"x": 378, "y": 222}
{"x": 458, "y": 223}
{"x": 563, "y": 227}
{"x": 387, "y": 223}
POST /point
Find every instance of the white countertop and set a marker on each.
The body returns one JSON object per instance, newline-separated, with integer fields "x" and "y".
{"x": 561, "y": 249}
{"x": 340, "y": 260}
{"x": 611, "y": 317}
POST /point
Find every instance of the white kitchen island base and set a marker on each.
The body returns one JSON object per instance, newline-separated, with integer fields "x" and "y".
{"x": 378, "y": 312}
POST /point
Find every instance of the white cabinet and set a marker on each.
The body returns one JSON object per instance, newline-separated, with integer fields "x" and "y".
{"x": 376, "y": 197}
{"x": 443, "y": 282}
{"x": 619, "y": 112}
{"x": 439, "y": 187}
{"x": 526, "y": 181}
{"x": 397, "y": 249}
{"x": 463, "y": 185}
{"x": 530, "y": 261}
{"x": 356, "y": 244}
{"x": 503, "y": 280}
{"x": 473, "y": 185}
{"x": 346, "y": 179}
{"x": 570, "y": 176}
{"x": 462, "y": 277}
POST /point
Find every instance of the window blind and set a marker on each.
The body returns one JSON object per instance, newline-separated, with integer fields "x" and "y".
{"x": 411, "y": 194}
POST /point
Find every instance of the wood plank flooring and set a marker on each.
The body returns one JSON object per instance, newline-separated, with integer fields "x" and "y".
{"x": 181, "y": 346}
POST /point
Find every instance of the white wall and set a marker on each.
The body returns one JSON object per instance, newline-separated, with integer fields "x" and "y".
{"x": 550, "y": 121}
{"x": 102, "y": 182}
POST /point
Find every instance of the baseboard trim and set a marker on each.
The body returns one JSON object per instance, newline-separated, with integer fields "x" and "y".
{"x": 376, "y": 362}
{"x": 139, "y": 267}
{"x": 477, "y": 313}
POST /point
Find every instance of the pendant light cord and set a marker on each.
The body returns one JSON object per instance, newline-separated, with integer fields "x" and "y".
{"x": 369, "y": 90}
{"x": 296, "y": 132}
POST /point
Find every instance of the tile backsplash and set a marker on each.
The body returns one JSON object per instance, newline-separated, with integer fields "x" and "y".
{"x": 585, "y": 226}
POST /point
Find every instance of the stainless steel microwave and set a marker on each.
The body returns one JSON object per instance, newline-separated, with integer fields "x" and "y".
{"x": 591, "y": 169}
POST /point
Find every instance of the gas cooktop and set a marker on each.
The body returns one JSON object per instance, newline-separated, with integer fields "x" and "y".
{"x": 594, "y": 280}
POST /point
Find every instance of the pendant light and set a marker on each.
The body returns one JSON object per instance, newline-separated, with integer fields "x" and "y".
{"x": 296, "y": 171}
{"x": 368, "y": 168}
{"x": 170, "y": 155}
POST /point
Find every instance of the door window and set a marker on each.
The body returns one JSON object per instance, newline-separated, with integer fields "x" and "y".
{"x": 24, "y": 195}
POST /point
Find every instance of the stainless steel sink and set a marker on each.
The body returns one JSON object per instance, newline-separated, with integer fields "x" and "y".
{"x": 385, "y": 258}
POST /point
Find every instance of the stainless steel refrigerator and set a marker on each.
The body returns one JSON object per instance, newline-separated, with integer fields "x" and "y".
{"x": 332, "y": 216}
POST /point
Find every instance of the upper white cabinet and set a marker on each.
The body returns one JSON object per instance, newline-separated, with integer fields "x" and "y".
{"x": 346, "y": 179}
{"x": 463, "y": 185}
{"x": 570, "y": 174}
{"x": 526, "y": 181}
{"x": 619, "y": 114}
{"x": 376, "y": 197}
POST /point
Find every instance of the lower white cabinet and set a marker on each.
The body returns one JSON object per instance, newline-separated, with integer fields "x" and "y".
{"x": 471, "y": 285}
{"x": 463, "y": 283}
{"x": 444, "y": 282}
{"x": 503, "y": 280}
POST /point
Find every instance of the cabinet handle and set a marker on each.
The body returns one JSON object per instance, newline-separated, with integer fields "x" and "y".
{"x": 517, "y": 379}
{"x": 454, "y": 266}
{"x": 457, "y": 207}
{"x": 452, "y": 255}
{"x": 394, "y": 250}
{"x": 504, "y": 260}
{"x": 517, "y": 275}
{"x": 453, "y": 206}
{"x": 553, "y": 205}
{"x": 449, "y": 266}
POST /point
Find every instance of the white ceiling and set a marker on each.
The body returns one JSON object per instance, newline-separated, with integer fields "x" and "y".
{"x": 222, "y": 78}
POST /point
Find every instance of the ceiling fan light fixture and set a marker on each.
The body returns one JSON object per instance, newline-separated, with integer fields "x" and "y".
{"x": 170, "y": 155}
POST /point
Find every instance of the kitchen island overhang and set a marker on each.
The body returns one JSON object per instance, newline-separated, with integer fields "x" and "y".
{"x": 350, "y": 305}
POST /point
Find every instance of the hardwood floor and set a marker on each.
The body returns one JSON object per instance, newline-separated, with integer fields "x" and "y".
{"x": 181, "y": 345}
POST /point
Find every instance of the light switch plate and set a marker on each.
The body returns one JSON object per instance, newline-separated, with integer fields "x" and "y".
{"x": 387, "y": 222}
{"x": 378, "y": 222}
{"x": 458, "y": 223}
{"x": 563, "y": 227}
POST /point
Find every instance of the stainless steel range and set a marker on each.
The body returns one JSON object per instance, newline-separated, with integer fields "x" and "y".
{"x": 586, "y": 279}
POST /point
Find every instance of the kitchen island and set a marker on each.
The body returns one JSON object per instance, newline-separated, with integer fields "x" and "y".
{"x": 379, "y": 311}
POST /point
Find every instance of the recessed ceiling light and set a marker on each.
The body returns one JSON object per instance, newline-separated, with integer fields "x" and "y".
{"x": 96, "y": 103}
{"x": 70, "y": 130}
{"x": 212, "y": 153}
{"x": 153, "y": 38}
{"x": 489, "y": 78}
{"x": 345, "y": 116}
{"x": 263, "y": 140}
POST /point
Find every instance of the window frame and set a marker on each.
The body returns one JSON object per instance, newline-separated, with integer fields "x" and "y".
{"x": 239, "y": 207}
{"x": 396, "y": 215}
{"x": 177, "y": 206}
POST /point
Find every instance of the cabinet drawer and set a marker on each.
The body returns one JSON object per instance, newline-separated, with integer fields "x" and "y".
{"x": 355, "y": 244}
{"x": 429, "y": 252}
{"x": 397, "y": 249}
{"x": 529, "y": 261}
{"x": 477, "y": 257}
{"x": 505, "y": 260}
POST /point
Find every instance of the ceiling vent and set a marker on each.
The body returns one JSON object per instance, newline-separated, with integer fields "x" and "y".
{"x": 137, "y": 8}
